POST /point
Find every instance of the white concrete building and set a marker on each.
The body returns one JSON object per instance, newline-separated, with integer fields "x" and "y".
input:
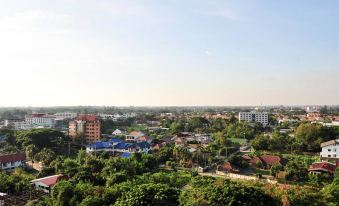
{"x": 119, "y": 132}
{"x": 16, "y": 124}
{"x": 40, "y": 120}
{"x": 65, "y": 115}
{"x": 330, "y": 149}
{"x": 46, "y": 183}
{"x": 254, "y": 116}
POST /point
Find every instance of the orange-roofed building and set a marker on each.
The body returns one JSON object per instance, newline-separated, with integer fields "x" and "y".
{"x": 88, "y": 126}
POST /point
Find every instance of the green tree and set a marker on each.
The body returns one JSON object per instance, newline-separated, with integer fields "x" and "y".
{"x": 149, "y": 194}
{"x": 62, "y": 193}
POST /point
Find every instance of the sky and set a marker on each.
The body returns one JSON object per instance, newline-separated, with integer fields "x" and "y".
{"x": 169, "y": 52}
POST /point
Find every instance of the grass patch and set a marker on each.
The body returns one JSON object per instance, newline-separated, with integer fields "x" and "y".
{"x": 240, "y": 141}
{"x": 263, "y": 172}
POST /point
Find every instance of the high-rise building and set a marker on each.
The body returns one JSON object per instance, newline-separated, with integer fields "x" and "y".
{"x": 87, "y": 126}
{"x": 254, "y": 116}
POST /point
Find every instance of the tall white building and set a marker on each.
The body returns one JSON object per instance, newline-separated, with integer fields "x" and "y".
{"x": 254, "y": 116}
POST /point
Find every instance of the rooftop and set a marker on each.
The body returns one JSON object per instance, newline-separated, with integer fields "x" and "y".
{"x": 12, "y": 158}
{"x": 50, "y": 180}
{"x": 322, "y": 166}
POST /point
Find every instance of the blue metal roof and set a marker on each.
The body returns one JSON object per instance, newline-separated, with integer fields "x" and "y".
{"x": 144, "y": 145}
{"x": 100, "y": 145}
{"x": 123, "y": 145}
{"x": 116, "y": 140}
{"x": 126, "y": 155}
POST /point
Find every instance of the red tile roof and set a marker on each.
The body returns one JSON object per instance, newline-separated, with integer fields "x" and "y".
{"x": 12, "y": 158}
{"x": 50, "y": 180}
{"x": 322, "y": 166}
{"x": 246, "y": 157}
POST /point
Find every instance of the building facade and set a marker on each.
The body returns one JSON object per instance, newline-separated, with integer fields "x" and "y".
{"x": 87, "y": 126}
{"x": 40, "y": 120}
{"x": 259, "y": 117}
{"x": 65, "y": 115}
{"x": 12, "y": 161}
{"x": 330, "y": 150}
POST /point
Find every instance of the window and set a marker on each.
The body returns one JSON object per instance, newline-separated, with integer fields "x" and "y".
{"x": 329, "y": 150}
{"x": 328, "y": 155}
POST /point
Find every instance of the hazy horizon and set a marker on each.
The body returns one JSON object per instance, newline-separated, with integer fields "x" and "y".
{"x": 169, "y": 53}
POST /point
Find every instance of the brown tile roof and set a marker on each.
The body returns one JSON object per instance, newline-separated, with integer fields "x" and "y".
{"x": 227, "y": 166}
{"x": 272, "y": 160}
{"x": 331, "y": 142}
{"x": 246, "y": 157}
{"x": 12, "y": 158}
{"x": 137, "y": 133}
{"x": 322, "y": 166}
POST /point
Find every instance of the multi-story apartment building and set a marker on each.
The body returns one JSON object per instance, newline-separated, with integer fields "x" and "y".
{"x": 254, "y": 116}
{"x": 86, "y": 125}
{"x": 40, "y": 120}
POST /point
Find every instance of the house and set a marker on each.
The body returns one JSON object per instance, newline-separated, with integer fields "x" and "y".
{"x": 12, "y": 161}
{"x": 254, "y": 161}
{"x": 228, "y": 167}
{"x": 137, "y": 136}
{"x": 330, "y": 151}
{"x": 265, "y": 160}
{"x": 100, "y": 147}
{"x": 119, "y": 132}
{"x": 270, "y": 160}
{"x": 124, "y": 147}
{"x": 322, "y": 167}
{"x": 46, "y": 183}
{"x": 144, "y": 147}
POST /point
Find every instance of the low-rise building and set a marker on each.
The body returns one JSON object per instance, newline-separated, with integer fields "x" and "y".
{"x": 116, "y": 145}
{"x": 322, "y": 167}
{"x": 65, "y": 115}
{"x": 137, "y": 136}
{"x": 12, "y": 161}
{"x": 119, "y": 132}
{"x": 266, "y": 161}
{"x": 46, "y": 183}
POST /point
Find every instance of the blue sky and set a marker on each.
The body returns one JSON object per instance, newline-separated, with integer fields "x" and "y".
{"x": 165, "y": 53}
